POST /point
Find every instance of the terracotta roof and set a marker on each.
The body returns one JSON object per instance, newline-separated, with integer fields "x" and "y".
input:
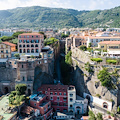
{"x": 109, "y": 42}
{"x": 8, "y": 43}
{"x": 57, "y": 87}
{"x": 85, "y": 117}
{"x": 30, "y": 34}
{"x": 95, "y": 37}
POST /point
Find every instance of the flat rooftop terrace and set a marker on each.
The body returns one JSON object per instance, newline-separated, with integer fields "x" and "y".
{"x": 4, "y": 104}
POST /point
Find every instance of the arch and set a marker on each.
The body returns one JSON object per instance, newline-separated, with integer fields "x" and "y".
{"x": 29, "y": 91}
{"x": 24, "y": 51}
{"x": 20, "y": 50}
{"x": 20, "y": 45}
{"x": 28, "y": 45}
{"x": 6, "y": 90}
{"x": 23, "y": 45}
{"x": 36, "y": 45}
{"x": 78, "y": 107}
{"x": 105, "y": 105}
{"x": 32, "y": 45}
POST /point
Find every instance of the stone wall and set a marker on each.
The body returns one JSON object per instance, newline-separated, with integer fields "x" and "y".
{"x": 90, "y": 83}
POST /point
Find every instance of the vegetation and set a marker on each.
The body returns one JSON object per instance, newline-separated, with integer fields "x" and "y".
{"x": 18, "y": 96}
{"x": 98, "y": 60}
{"x": 111, "y": 61}
{"x": 98, "y": 95}
{"x": 50, "y": 41}
{"x": 32, "y": 56}
{"x": 64, "y": 36}
{"x": 17, "y": 55}
{"x": 41, "y": 32}
{"x": 66, "y": 68}
{"x": 105, "y": 77}
{"x": 88, "y": 67}
{"x": 59, "y": 18}
{"x": 118, "y": 109}
{"x": 95, "y": 117}
{"x": 83, "y": 47}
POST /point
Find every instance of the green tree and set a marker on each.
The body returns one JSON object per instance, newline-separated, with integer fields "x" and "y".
{"x": 15, "y": 35}
{"x": 92, "y": 116}
{"x": 68, "y": 58}
{"x": 88, "y": 67}
{"x": 118, "y": 109}
{"x": 99, "y": 116}
{"x": 32, "y": 56}
{"x": 83, "y": 47}
{"x": 17, "y": 55}
{"x": 105, "y": 78}
{"x": 21, "y": 88}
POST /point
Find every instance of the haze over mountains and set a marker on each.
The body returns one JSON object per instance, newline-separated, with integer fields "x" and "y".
{"x": 37, "y": 17}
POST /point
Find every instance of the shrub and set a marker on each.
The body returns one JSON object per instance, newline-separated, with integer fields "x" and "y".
{"x": 83, "y": 47}
{"x": 112, "y": 114}
{"x": 97, "y": 59}
{"x": 108, "y": 112}
{"x": 17, "y": 55}
{"x": 98, "y": 95}
{"x": 111, "y": 61}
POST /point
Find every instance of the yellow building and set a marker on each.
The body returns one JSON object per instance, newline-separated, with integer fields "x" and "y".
{"x": 5, "y": 49}
{"x": 112, "y": 47}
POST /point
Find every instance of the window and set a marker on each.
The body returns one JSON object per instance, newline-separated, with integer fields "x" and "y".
{"x": 32, "y": 36}
{"x": 51, "y": 98}
{"x": 36, "y": 36}
{"x": 23, "y": 45}
{"x": 7, "y": 56}
{"x": 55, "y": 93}
{"x": 71, "y": 95}
{"x": 65, "y": 98}
{"x": 36, "y": 45}
{"x": 32, "y": 41}
{"x": 20, "y": 41}
{"x": 20, "y": 50}
{"x": 32, "y": 45}
{"x": 22, "y": 66}
{"x": 71, "y": 99}
{"x": 6, "y": 51}
{"x": 37, "y": 41}
{"x": 96, "y": 40}
{"x": 20, "y": 45}
{"x": 64, "y": 93}
{"x": 36, "y": 50}
{"x": 23, "y": 78}
{"x": 28, "y": 41}
{"x": 48, "y": 106}
{"x": 51, "y": 93}
{"x": 1, "y": 46}
{"x": 28, "y": 51}
{"x": 24, "y": 36}
{"x": 20, "y": 36}
{"x": 34, "y": 104}
{"x": 1, "y": 51}
{"x": 28, "y": 45}
{"x": 32, "y": 51}
{"x": 71, "y": 106}
{"x": 102, "y": 46}
{"x": 6, "y": 46}
{"x": 60, "y": 93}
{"x": 27, "y": 36}
{"x": 45, "y": 61}
{"x": 24, "y": 41}
{"x": 57, "y": 98}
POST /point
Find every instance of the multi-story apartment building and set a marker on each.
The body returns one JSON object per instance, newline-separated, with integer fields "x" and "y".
{"x": 40, "y": 102}
{"x": 94, "y": 40}
{"x": 111, "y": 47}
{"x": 63, "y": 98}
{"x": 6, "y": 48}
{"x": 30, "y": 43}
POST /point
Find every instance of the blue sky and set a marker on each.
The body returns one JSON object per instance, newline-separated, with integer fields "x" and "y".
{"x": 73, "y": 4}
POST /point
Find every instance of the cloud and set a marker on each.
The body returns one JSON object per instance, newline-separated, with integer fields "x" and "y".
{"x": 9, "y": 4}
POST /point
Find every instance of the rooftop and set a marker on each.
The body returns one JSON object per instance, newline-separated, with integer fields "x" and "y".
{"x": 109, "y": 42}
{"x": 30, "y": 34}
{"x": 4, "y": 105}
{"x": 10, "y": 44}
{"x": 37, "y": 97}
{"x": 57, "y": 87}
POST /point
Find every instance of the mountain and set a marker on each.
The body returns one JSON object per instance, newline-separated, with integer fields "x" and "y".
{"x": 37, "y": 17}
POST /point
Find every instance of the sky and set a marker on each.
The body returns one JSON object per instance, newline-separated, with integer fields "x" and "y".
{"x": 73, "y": 4}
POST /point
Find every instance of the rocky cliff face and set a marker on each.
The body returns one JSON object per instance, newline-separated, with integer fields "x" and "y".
{"x": 90, "y": 83}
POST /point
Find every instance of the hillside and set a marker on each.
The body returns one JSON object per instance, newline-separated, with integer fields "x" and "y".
{"x": 37, "y": 17}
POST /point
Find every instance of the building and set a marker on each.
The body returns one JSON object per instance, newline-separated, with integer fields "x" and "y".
{"x": 40, "y": 102}
{"x": 111, "y": 47}
{"x": 63, "y": 98}
{"x": 6, "y": 48}
{"x": 30, "y": 43}
{"x": 94, "y": 40}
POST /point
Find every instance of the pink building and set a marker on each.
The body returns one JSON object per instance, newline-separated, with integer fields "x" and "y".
{"x": 40, "y": 102}
{"x": 57, "y": 94}
{"x": 30, "y": 43}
